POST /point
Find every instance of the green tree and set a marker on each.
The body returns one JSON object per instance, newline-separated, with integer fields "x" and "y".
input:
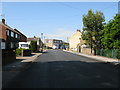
{"x": 93, "y": 25}
{"x": 33, "y": 46}
{"x": 111, "y": 33}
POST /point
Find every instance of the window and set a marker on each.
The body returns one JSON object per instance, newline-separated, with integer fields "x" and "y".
{"x": 2, "y": 45}
{"x": 24, "y": 45}
{"x": 16, "y": 45}
{"x": 12, "y": 34}
{"x": 12, "y": 45}
{"x": 7, "y": 32}
{"x": 16, "y": 35}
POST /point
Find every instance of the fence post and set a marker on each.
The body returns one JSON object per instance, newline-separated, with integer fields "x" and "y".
{"x": 22, "y": 52}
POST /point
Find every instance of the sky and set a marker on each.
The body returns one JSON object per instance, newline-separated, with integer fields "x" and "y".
{"x": 57, "y": 20}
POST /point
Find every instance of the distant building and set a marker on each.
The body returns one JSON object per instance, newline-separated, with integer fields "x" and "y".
{"x": 38, "y": 39}
{"x": 75, "y": 41}
{"x": 54, "y": 43}
{"x": 9, "y": 37}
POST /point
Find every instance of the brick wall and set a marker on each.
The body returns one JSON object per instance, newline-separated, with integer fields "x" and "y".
{"x": 23, "y": 38}
{"x": 87, "y": 51}
{"x": 2, "y": 32}
{"x": 8, "y": 56}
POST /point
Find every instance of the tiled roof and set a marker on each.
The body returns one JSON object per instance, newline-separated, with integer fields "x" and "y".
{"x": 29, "y": 39}
{"x": 5, "y": 25}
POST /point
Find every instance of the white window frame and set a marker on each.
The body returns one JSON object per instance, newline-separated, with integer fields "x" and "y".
{"x": 16, "y": 35}
{"x": 8, "y": 32}
{"x": 12, "y": 34}
{"x": 3, "y": 44}
{"x": 11, "y": 45}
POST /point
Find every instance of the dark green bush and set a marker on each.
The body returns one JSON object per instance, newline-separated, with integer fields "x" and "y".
{"x": 113, "y": 53}
{"x": 18, "y": 51}
{"x": 33, "y": 46}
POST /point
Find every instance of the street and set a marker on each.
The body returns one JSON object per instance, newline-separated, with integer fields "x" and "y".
{"x": 59, "y": 69}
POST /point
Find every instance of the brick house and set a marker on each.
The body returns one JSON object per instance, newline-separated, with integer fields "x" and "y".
{"x": 23, "y": 38}
{"x": 10, "y": 37}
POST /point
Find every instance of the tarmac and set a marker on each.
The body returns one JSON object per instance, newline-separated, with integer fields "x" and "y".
{"x": 13, "y": 69}
{"x": 99, "y": 58}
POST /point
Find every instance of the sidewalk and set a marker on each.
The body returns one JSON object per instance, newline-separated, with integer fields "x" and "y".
{"x": 99, "y": 58}
{"x": 11, "y": 70}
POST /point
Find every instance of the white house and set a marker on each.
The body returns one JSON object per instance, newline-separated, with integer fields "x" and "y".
{"x": 24, "y": 45}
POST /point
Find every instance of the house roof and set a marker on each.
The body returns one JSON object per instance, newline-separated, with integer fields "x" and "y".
{"x": 33, "y": 38}
{"x": 54, "y": 39}
{"x": 8, "y": 27}
{"x": 19, "y": 32}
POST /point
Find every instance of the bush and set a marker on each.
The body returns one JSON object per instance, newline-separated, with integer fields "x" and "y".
{"x": 18, "y": 51}
{"x": 33, "y": 46}
{"x": 118, "y": 54}
{"x": 25, "y": 51}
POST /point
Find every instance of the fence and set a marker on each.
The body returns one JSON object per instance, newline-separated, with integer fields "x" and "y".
{"x": 113, "y": 53}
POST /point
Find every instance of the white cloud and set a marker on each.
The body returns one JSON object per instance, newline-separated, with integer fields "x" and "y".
{"x": 60, "y": 34}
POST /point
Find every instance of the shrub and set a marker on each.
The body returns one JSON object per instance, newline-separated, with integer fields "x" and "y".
{"x": 33, "y": 46}
{"x": 18, "y": 51}
{"x": 25, "y": 51}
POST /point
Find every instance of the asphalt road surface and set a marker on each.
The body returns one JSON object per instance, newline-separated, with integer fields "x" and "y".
{"x": 59, "y": 69}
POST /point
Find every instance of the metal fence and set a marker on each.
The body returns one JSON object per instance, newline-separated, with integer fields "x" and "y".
{"x": 113, "y": 53}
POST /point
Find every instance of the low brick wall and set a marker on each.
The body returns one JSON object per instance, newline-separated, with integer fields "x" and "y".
{"x": 26, "y": 52}
{"x": 87, "y": 51}
{"x": 8, "y": 56}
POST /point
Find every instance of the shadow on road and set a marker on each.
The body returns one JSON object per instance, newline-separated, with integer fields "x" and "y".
{"x": 68, "y": 74}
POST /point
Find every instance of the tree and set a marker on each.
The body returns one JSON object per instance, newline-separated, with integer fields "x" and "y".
{"x": 33, "y": 46}
{"x": 111, "y": 34}
{"x": 93, "y": 25}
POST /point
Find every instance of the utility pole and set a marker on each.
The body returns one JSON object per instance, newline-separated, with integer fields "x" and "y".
{"x": 42, "y": 36}
{"x": 44, "y": 39}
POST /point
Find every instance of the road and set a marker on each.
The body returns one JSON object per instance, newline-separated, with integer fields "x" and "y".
{"x": 59, "y": 69}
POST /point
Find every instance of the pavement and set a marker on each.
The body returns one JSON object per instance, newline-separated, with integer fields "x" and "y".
{"x": 99, "y": 58}
{"x": 14, "y": 68}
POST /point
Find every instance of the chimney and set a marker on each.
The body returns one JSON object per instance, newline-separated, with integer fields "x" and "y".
{"x": 3, "y": 21}
{"x": 78, "y": 30}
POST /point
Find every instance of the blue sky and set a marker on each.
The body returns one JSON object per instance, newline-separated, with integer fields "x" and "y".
{"x": 54, "y": 19}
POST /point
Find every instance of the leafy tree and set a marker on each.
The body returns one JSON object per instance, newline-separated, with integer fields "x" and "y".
{"x": 93, "y": 25}
{"x": 33, "y": 46}
{"x": 111, "y": 33}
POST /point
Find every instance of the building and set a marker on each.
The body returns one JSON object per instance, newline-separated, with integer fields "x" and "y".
{"x": 65, "y": 45}
{"x": 54, "y": 43}
{"x": 24, "y": 45}
{"x": 38, "y": 39}
{"x": 22, "y": 38}
{"x": 10, "y": 37}
{"x": 75, "y": 41}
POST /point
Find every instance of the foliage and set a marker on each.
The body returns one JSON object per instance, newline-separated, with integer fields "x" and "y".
{"x": 33, "y": 46}
{"x": 93, "y": 26}
{"x": 111, "y": 53}
{"x": 18, "y": 51}
{"x": 111, "y": 34}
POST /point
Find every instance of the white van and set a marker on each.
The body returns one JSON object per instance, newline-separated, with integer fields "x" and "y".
{"x": 24, "y": 45}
